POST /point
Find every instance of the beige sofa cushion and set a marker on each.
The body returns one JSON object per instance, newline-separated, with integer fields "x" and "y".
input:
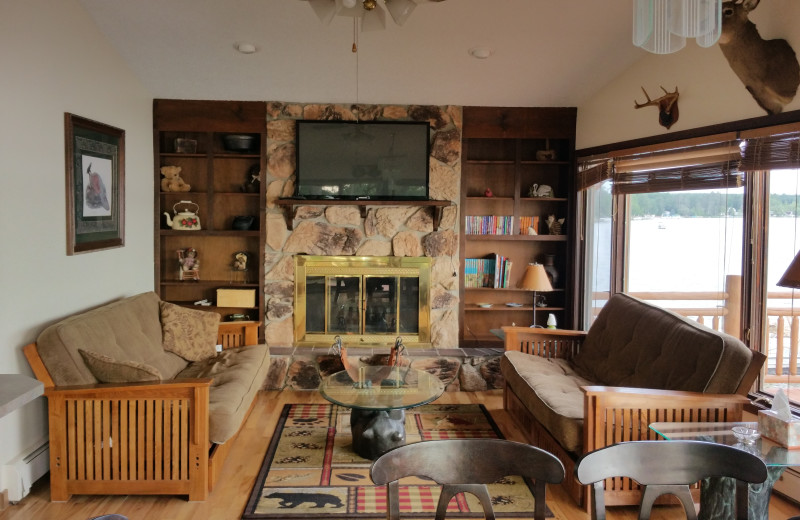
{"x": 124, "y": 330}
{"x": 237, "y": 375}
{"x": 635, "y": 344}
{"x": 109, "y": 370}
{"x": 551, "y": 390}
{"x": 189, "y": 333}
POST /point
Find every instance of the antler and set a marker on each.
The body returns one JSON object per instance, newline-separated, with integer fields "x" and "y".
{"x": 667, "y": 106}
{"x": 649, "y": 101}
{"x": 669, "y": 99}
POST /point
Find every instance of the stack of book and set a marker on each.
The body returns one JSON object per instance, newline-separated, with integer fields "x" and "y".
{"x": 528, "y": 222}
{"x": 493, "y": 271}
{"x": 489, "y": 225}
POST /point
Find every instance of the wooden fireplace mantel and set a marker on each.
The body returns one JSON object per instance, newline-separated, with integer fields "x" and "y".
{"x": 290, "y": 206}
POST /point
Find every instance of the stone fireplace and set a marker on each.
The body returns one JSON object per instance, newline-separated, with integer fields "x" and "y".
{"x": 399, "y": 233}
{"x": 366, "y": 300}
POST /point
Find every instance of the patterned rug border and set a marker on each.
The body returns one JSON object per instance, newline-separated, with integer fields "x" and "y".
{"x": 255, "y": 494}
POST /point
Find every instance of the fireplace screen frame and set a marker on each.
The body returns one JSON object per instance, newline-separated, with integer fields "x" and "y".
{"x": 306, "y": 266}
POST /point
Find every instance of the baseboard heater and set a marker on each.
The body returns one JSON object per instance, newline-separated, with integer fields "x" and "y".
{"x": 19, "y": 474}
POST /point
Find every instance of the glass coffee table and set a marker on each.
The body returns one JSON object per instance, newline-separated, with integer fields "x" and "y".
{"x": 378, "y": 397}
{"x": 717, "y": 495}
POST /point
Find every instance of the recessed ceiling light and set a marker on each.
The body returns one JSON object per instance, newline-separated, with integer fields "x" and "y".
{"x": 246, "y": 47}
{"x": 481, "y": 53}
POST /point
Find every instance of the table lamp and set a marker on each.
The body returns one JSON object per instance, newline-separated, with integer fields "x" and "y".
{"x": 791, "y": 278}
{"x": 535, "y": 279}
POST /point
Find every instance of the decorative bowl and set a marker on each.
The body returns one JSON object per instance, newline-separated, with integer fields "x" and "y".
{"x": 238, "y": 142}
{"x": 484, "y": 305}
{"x": 745, "y": 434}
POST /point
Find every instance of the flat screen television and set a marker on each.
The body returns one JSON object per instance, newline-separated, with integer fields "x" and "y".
{"x": 365, "y": 160}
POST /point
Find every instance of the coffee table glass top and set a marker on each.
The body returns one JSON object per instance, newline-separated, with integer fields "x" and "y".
{"x": 771, "y": 453}
{"x": 383, "y": 388}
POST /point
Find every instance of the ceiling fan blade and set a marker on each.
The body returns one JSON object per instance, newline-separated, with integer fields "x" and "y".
{"x": 373, "y": 20}
{"x": 400, "y": 10}
{"x": 325, "y": 9}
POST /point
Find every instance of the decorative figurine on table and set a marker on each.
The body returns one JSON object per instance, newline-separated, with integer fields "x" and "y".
{"x": 189, "y": 264}
{"x": 239, "y": 267}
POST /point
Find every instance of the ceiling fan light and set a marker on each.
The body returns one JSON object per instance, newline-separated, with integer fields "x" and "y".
{"x": 349, "y": 8}
{"x": 373, "y": 20}
{"x": 400, "y": 10}
{"x": 325, "y": 9}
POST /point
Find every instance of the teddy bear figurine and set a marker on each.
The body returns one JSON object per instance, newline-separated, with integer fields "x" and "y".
{"x": 172, "y": 179}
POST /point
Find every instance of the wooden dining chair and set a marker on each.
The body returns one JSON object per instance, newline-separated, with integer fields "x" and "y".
{"x": 669, "y": 468}
{"x": 466, "y": 465}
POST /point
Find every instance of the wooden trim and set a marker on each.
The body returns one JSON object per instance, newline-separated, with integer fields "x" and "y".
{"x": 742, "y": 125}
{"x": 39, "y": 370}
{"x": 234, "y": 334}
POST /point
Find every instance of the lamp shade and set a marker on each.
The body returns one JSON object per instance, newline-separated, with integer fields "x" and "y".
{"x": 535, "y": 279}
{"x": 791, "y": 278}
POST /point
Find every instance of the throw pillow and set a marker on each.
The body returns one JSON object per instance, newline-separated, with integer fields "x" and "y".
{"x": 189, "y": 333}
{"x": 108, "y": 370}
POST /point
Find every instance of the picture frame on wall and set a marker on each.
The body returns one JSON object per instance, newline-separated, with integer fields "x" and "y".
{"x": 95, "y": 185}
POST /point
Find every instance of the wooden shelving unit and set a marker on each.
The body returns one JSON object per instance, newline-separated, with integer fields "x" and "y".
{"x": 220, "y": 181}
{"x": 505, "y": 150}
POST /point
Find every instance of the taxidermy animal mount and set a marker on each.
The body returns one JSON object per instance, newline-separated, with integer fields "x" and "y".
{"x": 667, "y": 107}
{"x": 768, "y": 68}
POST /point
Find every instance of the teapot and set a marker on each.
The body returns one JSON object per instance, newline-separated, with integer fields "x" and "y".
{"x": 185, "y": 220}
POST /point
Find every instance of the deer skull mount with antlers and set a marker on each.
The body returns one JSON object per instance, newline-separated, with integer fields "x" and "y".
{"x": 667, "y": 107}
{"x": 768, "y": 68}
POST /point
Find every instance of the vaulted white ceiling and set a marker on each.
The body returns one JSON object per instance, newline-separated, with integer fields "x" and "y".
{"x": 544, "y": 52}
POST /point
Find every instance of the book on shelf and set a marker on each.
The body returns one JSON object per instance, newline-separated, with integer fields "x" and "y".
{"x": 493, "y": 271}
{"x": 528, "y": 222}
{"x": 489, "y": 225}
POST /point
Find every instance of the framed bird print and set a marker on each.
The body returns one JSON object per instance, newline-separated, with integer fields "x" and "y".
{"x": 95, "y": 159}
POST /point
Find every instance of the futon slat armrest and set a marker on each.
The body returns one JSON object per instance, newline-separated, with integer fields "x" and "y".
{"x": 618, "y": 414}
{"x": 544, "y": 342}
{"x": 632, "y": 396}
{"x": 131, "y": 390}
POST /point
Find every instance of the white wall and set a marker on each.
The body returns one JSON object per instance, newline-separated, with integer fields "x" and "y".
{"x": 710, "y": 93}
{"x": 54, "y": 60}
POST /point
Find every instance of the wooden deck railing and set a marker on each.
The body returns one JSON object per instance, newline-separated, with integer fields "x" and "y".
{"x": 782, "y": 346}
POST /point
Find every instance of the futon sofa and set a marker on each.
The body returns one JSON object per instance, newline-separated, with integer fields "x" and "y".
{"x": 573, "y": 392}
{"x": 140, "y": 400}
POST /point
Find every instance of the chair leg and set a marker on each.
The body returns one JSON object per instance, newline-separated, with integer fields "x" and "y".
{"x": 393, "y": 500}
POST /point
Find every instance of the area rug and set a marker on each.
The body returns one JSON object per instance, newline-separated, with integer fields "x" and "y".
{"x": 311, "y": 472}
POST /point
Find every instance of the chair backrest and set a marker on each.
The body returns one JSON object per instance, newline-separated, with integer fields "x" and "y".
{"x": 669, "y": 467}
{"x": 466, "y": 465}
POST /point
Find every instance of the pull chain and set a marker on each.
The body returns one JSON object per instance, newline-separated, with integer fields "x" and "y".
{"x": 355, "y": 34}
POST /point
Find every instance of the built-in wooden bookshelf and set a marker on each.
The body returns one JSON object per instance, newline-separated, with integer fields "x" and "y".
{"x": 507, "y": 151}
{"x": 224, "y": 185}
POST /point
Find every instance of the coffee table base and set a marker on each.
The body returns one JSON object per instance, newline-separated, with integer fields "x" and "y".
{"x": 377, "y": 431}
{"x": 718, "y": 497}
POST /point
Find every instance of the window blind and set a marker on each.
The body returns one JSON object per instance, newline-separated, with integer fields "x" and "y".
{"x": 771, "y": 152}
{"x": 708, "y": 166}
{"x": 691, "y": 165}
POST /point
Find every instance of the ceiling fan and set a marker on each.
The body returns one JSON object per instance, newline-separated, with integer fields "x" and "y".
{"x": 372, "y": 15}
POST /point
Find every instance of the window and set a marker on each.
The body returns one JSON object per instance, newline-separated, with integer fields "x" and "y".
{"x": 597, "y": 249}
{"x": 780, "y": 334}
{"x": 704, "y": 226}
{"x": 684, "y": 253}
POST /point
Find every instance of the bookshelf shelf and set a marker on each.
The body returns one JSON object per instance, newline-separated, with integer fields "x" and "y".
{"x": 500, "y": 151}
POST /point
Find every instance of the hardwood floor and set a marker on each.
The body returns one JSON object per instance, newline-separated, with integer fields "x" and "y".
{"x": 229, "y": 497}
